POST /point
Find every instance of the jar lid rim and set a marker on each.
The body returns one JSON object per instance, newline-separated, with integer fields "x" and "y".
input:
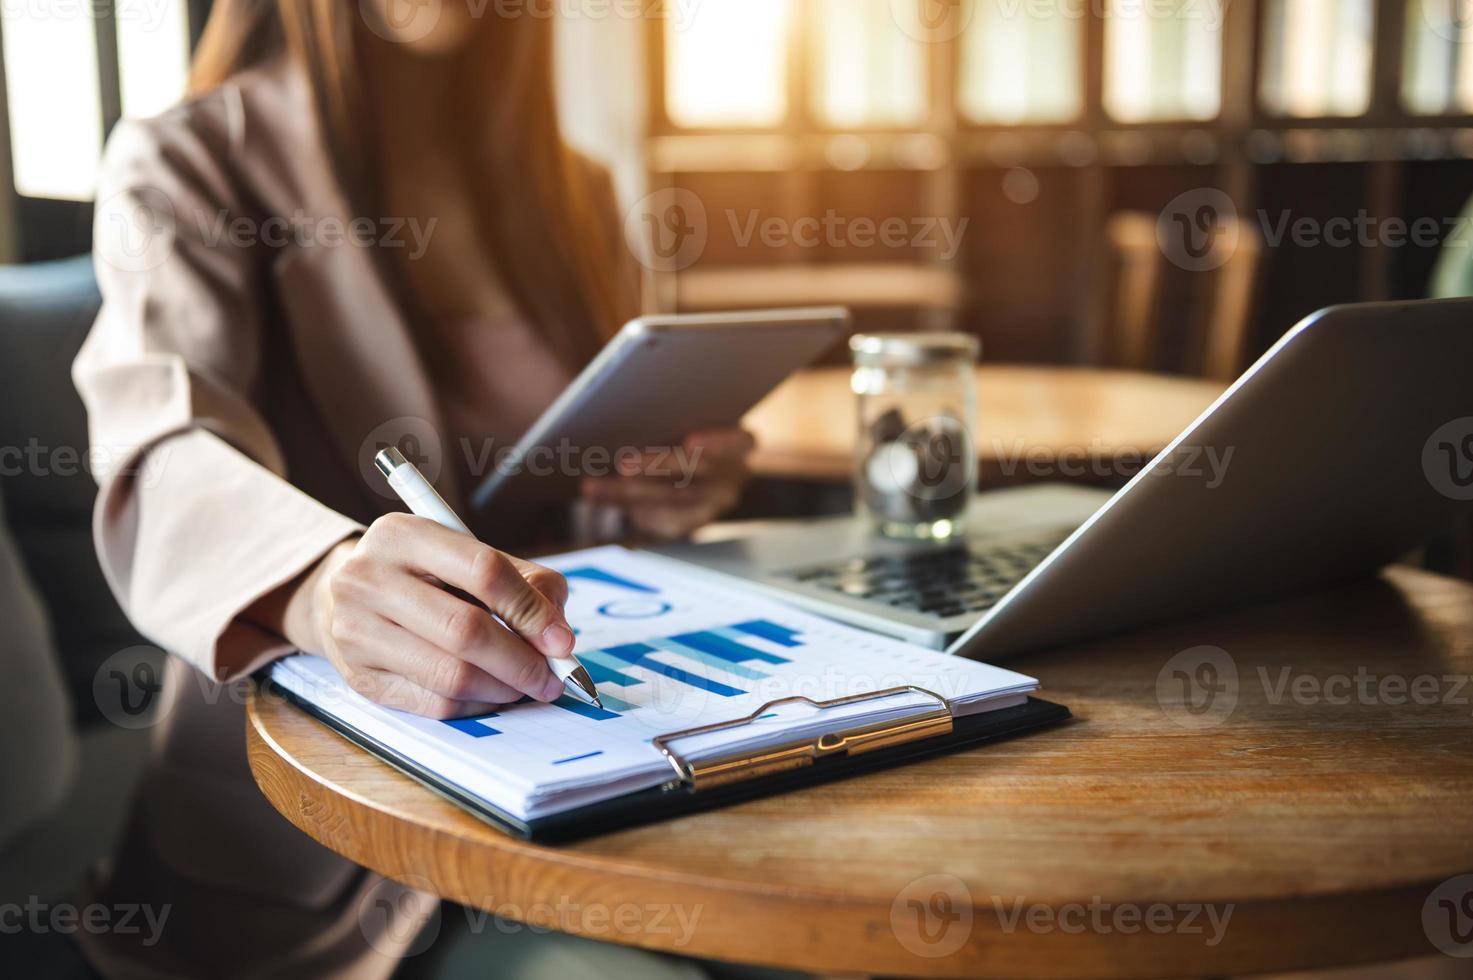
{"x": 921, "y": 347}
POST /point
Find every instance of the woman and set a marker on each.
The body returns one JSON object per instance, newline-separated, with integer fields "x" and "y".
{"x": 266, "y": 325}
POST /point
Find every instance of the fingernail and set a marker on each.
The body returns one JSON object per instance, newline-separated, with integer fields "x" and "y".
{"x": 557, "y": 640}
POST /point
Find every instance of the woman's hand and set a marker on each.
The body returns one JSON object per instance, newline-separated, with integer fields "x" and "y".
{"x": 669, "y": 495}
{"x": 376, "y": 608}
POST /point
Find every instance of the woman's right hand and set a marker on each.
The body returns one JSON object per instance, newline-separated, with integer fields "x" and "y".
{"x": 377, "y": 608}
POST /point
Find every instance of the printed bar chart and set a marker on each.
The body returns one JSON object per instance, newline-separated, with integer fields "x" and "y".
{"x": 725, "y": 649}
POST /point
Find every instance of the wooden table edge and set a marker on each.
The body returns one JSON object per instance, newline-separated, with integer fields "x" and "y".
{"x": 813, "y": 930}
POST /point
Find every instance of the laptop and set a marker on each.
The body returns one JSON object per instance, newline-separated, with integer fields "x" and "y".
{"x": 1346, "y": 446}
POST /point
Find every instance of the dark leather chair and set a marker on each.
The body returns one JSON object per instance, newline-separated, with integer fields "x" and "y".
{"x": 46, "y": 310}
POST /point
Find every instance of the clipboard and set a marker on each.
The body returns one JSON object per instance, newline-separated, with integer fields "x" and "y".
{"x": 728, "y": 780}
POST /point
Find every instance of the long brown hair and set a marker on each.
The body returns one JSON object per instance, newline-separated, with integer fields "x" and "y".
{"x": 545, "y": 214}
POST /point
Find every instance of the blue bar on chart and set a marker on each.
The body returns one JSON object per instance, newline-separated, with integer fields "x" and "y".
{"x": 603, "y": 673}
{"x": 609, "y": 578}
{"x": 638, "y": 654}
{"x": 709, "y": 660}
{"x": 576, "y": 758}
{"x": 772, "y": 632}
{"x": 586, "y": 710}
{"x": 474, "y": 727}
{"x": 726, "y": 649}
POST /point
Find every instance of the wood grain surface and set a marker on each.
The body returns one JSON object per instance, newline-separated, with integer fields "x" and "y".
{"x": 1105, "y": 848}
{"x": 806, "y": 428}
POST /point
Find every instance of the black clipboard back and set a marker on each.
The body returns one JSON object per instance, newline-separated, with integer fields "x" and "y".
{"x": 721, "y": 782}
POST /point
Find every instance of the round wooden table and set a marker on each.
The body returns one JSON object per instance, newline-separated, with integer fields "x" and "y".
{"x": 1033, "y": 422}
{"x": 1181, "y": 825}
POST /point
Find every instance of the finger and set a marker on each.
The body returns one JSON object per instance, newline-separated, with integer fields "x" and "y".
{"x": 545, "y": 580}
{"x": 442, "y": 673}
{"x": 394, "y": 691}
{"x": 456, "y": 628}
{"x": 483, "y": 572}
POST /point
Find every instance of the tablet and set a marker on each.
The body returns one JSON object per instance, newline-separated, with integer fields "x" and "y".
{"x": 660, "y": 379}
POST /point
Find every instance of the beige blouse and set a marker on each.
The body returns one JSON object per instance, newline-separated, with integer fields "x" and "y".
{"x": 248, "y": 362}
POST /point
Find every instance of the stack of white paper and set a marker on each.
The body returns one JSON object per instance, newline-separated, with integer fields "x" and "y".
{"x": 667, "y": 653}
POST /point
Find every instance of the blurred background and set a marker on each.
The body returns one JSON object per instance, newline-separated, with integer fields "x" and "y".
{"x": 1025, "y": 154}
{"x": 1159, "y": 185}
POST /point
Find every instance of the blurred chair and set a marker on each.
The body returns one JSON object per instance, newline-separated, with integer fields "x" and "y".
{"x": 46, "y": 310}
{"x": 73, "y": 772}
{"x": 1160, "y": 317}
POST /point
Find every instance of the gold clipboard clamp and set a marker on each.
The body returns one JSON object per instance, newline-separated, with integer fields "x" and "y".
{"x": 804, "y": 751}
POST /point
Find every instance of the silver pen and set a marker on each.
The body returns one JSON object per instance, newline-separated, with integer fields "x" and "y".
{"x": 420, "y": 497}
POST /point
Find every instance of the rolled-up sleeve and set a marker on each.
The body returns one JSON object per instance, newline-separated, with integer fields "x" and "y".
{"x": 195, "y": 519}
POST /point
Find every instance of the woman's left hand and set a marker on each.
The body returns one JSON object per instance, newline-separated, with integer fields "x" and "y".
{"x": 668, "y": 495}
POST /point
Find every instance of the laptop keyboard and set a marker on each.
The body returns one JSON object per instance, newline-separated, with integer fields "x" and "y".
{"x": 944, "y": 582}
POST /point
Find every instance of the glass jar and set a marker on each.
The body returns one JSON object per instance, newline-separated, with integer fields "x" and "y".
{"x": 915, "y": 459}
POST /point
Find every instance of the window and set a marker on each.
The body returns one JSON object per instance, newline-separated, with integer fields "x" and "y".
{"x": 867, "y": 70}
{"x": 726, "y": 65}
{"x": 1021, "y": 62}
{"x": 1317, "y": 57}
{"x": 53, "y": 97}
{"x": 153, "y": 55}
{"x": 55, "y": 90}
{"x": 1163, "y": 61}
{"x": 1438, "y": 67}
